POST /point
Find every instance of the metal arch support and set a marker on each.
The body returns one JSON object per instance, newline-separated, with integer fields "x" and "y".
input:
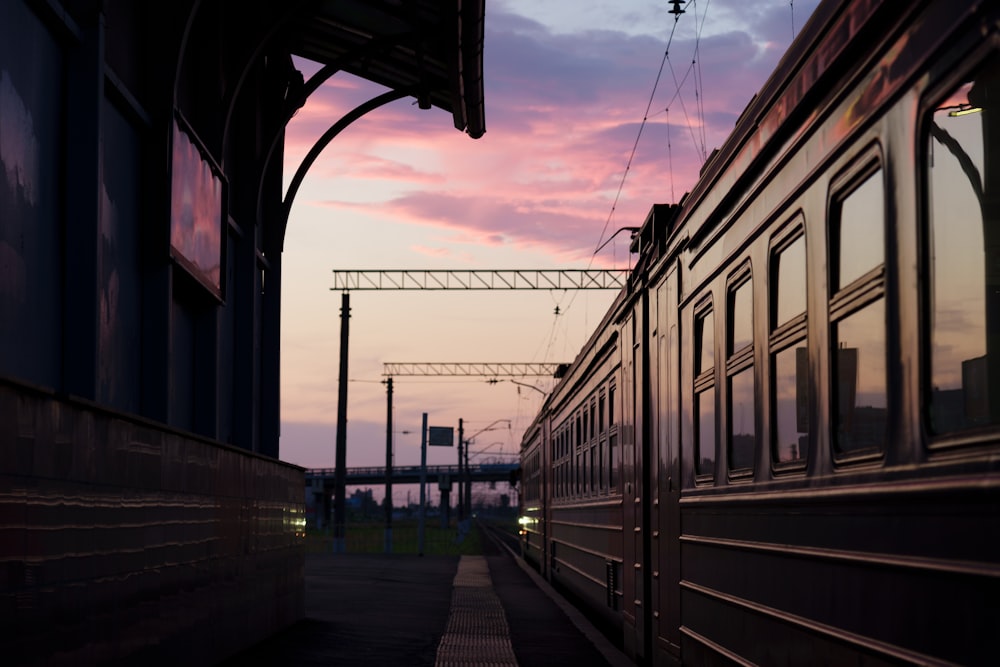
{"x": 328, "y": 136}
{"x": 296, "y": 102}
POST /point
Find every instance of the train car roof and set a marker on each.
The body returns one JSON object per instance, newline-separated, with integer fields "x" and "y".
{"x": 800, "y": 78}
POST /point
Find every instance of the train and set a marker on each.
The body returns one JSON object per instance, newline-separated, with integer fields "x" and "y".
{"x": 781, "y": 444}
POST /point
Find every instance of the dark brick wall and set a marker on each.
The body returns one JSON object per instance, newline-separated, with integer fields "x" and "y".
{"x": 121, "y": 541}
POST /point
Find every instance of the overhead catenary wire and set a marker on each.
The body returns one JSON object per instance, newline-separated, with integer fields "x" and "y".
{"x": 635, "y": 144}
{"x": 628, "y": 166}
{"x": 621, "y": 183}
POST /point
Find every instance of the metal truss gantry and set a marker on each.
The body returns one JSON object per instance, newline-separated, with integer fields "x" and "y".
{"x": 463, "y": 369}
{"x": 483, "y": 279}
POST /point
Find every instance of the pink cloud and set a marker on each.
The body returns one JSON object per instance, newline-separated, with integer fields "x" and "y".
{"x": 563, "y": 114}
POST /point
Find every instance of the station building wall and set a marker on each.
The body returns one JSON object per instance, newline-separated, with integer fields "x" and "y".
{"x": 143, "y": 510}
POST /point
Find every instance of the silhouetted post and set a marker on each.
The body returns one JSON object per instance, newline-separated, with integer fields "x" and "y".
{"x": 467, "y": 482}
{"x": 388, "y": 467}
{"x": 460, "y": 504}
{"x": 423, "y": 486}
{"x": 340, "y": 471}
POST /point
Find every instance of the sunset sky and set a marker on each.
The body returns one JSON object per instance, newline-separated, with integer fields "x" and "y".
{"x": 567, "y": 84}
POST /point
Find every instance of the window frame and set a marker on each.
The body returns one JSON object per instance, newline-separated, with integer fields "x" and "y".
{"x": 866, "y": 289}
{"x": 952, "y": 78}
{"x": 704, "y": 381}
{"x": 739, "y": 361}
{"x": 784, "y": 336}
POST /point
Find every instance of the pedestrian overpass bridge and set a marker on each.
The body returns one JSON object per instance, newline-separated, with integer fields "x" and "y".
{"x": 481, "y": 472}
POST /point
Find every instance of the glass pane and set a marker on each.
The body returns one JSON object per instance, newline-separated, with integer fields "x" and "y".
{"x": 790, "y": 269}
{"x": 741, "y": 317}
{"x": 613, "y": 461}
{"x": 705, "y": 354}
{"x": 195, "y": 211}
{"x": 860, "y": 380}
{"x": 862, "y": 231}
{"x": 601, "y": 466}
{"x": 593, "y": 469}
{"x": 611, "y": 406}
{"x": 965, "y": 302}
{"x": 742, "y": 422}
{"x": 705, "y": 455}
{"x": 791, "y": 404}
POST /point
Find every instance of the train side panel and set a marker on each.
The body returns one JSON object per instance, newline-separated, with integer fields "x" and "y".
{"x": 838, "y": 503}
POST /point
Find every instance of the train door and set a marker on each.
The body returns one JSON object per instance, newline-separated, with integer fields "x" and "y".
{"x": 664, "y": 480}
{"x": 635, "y": 496}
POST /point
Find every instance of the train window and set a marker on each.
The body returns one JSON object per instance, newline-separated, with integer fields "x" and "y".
{"x": 705, "y": 442}
{"x": 593, "y": 469}
{"x": 789, "y": 274}
{"x": 601, "y": 467}
{"x": 704, "y": 397}
{"x": 857, "y": 315}
{"x": 791, "y": 405}
{"x": 611, "y": 406}
{"x": 612, "y": 439}
{"x": 861, "y": 227}
{"x": 600, "y": 413}
{"x": 742, "y": 425}
{"x": 612, "y": 460}
{"x": 740, "y": 398}
{"x": 705, "y": 342}
{"x": 963, "y": 232}
{"x": 789, "y": 355}
{"x": 860, "y": 380}
{"x": 740, "y": 316}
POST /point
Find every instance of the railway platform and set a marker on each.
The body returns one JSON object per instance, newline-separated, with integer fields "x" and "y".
{"x": 440, "y": 611}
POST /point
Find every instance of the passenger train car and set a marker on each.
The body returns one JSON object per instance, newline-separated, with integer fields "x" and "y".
{"x": 782, "y": 444}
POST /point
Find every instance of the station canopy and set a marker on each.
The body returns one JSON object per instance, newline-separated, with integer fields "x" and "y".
{"x": 432, "y": 47}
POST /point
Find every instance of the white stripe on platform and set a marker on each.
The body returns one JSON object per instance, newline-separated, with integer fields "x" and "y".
{"x": 477, "y": 634}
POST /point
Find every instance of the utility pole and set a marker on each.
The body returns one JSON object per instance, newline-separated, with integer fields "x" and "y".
{"x": 340, "y": 469}
{"x": 388, "y": 467}
{"x": 423, "y": 485}
{"x": 461, "y": 475}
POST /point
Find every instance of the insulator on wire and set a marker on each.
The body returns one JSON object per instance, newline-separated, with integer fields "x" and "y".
{"x": 676, "y": 11}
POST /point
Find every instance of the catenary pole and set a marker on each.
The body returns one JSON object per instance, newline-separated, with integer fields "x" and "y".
{"x": 388, "y": 467}
{"x": 340, "y": 469}
{"x": 423, "y": 484}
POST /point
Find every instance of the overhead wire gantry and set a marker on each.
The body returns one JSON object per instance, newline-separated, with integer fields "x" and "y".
{"x": 445, "y": 279}
{"x": 480, "y": 279}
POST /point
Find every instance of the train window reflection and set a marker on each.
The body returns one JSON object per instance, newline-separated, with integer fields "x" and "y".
{"x": 741, "y": 317}
{"x": 742, "y": 425}
{"x": 613, "y": 461}
{"x": 791, "y": 404}
{"x": 790, "y": 273}
{"x": 705, "y": 332}
{"x": 964, "y": 244}
{"x": 861, "y": 231}
{"x": 860, "y": 384}
{"x": 600, "y": 414}
{"x": 705, "y": 433}
{"x": 611, "y": 406}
